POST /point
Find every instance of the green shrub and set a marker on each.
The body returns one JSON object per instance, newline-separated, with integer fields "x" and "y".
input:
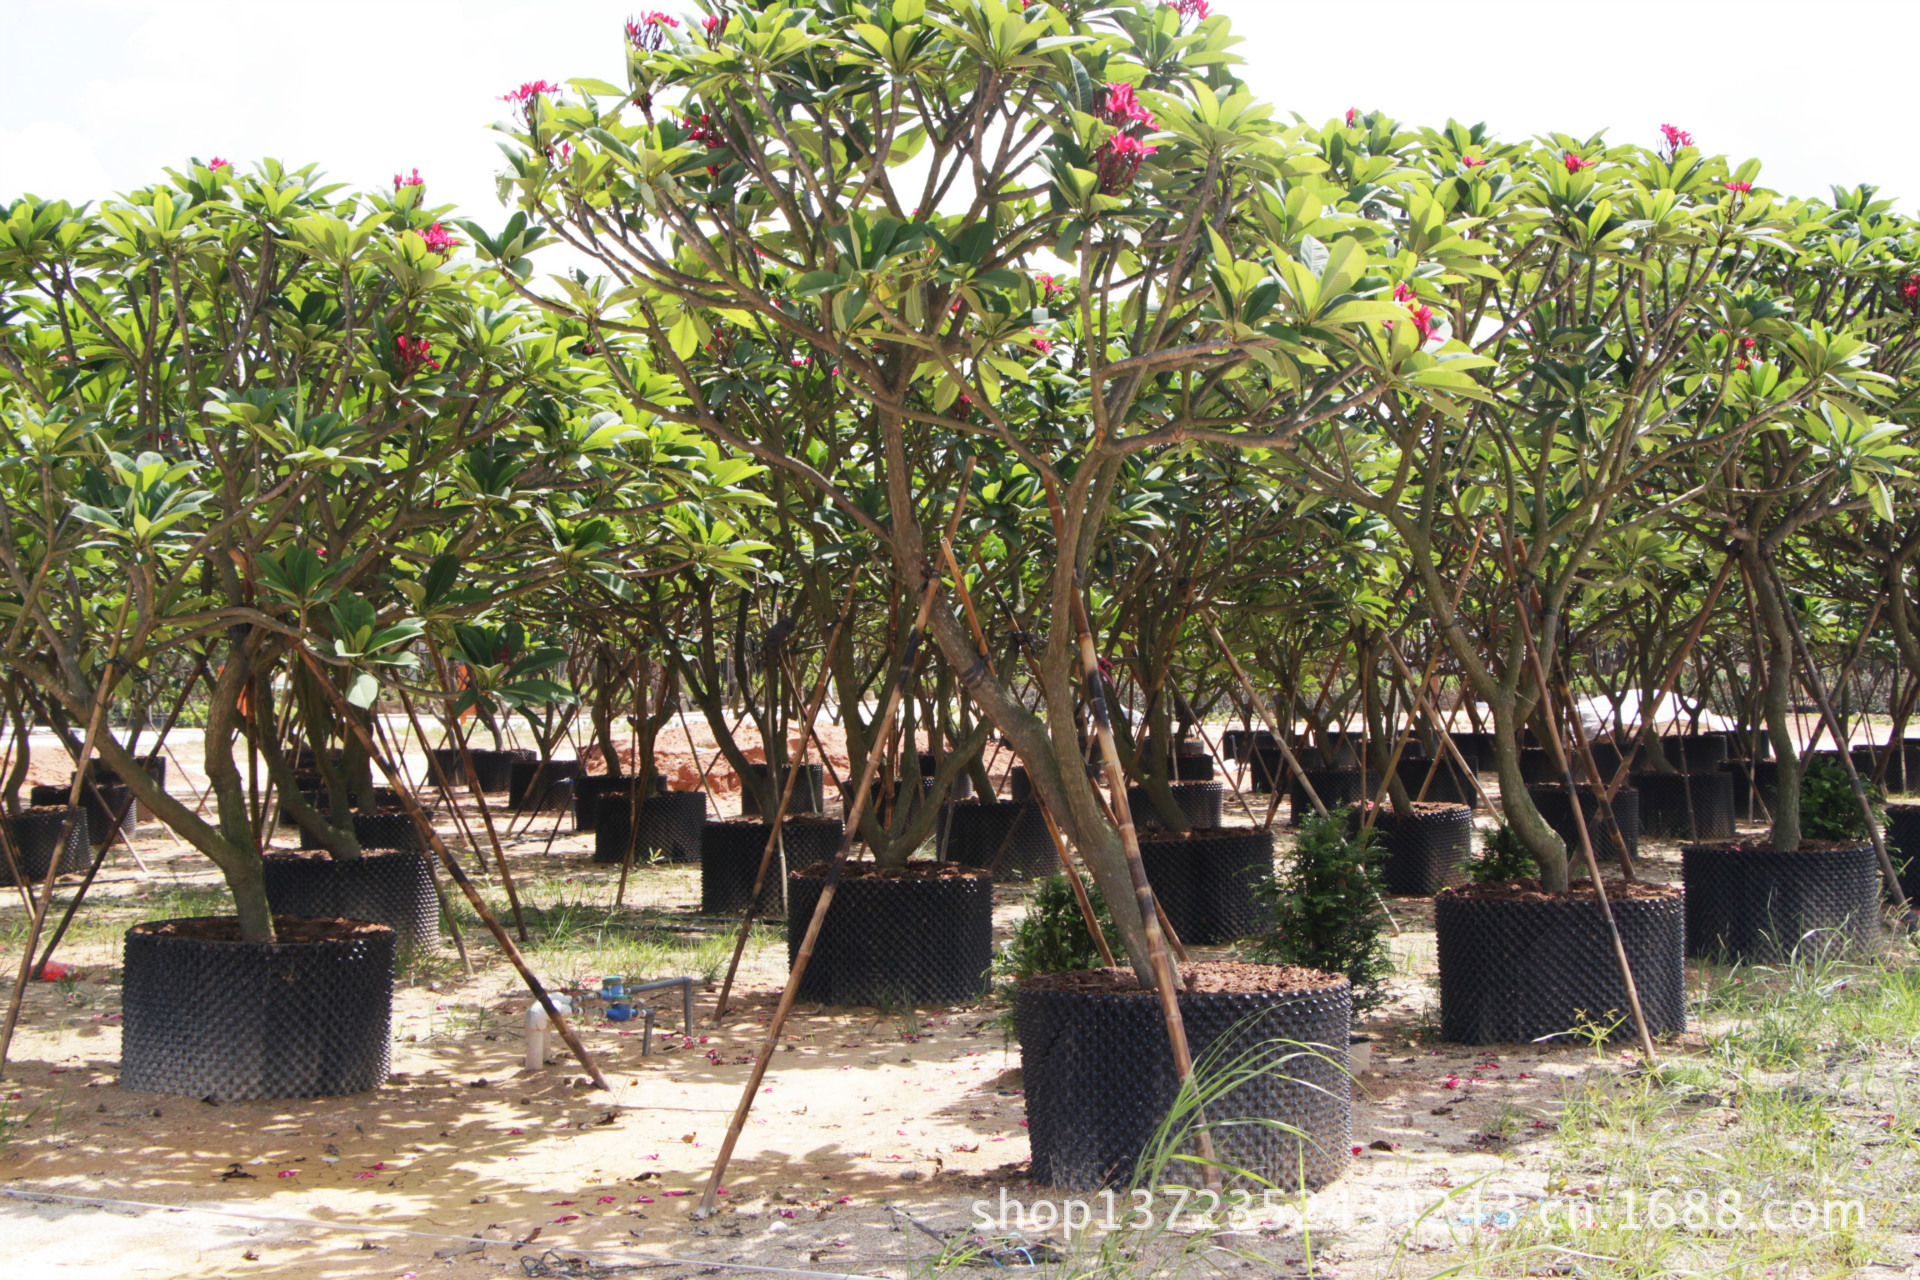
{"x": 1053, "y": 937}
{"x": 1326, "y": 909}
{"x": 1503, "y": 856}
{"x": 1828, "y": 808}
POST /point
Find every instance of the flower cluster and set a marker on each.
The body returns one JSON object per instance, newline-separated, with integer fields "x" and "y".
{"x": 1191, "y": 8}
{"x": 1910, "y": 294}
{"x": 1040, "y": 343}
{"x": 440, "y": 240}
{"x": 401, "y": 180}
{"x": 1048, "y": 286}
{"x": 1120, "y": 107}
{"x": 1575, "y": 164}
{"x": 649, "y": 31}
{"x": 1118, "y": 159}
{"x": 527, "y": 92}
{"x": 218, "y": 163}
{"x": 1424, "y": 321}
{"x": 702, "y": 130}
{"x": 413, "y": 355}
{"x": 1676, "y": 138}
{"x": 1738, "y": 188}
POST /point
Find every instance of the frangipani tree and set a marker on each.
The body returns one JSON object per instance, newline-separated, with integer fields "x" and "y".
{"x": 1063, "y": 235}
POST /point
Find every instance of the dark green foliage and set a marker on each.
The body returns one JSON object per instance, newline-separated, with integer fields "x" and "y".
{"x": 1503, "y": 856}
{"x": 1828, "y": 808}
{"x": 1326, "y": 910}
{"x": 1054, "y": 936}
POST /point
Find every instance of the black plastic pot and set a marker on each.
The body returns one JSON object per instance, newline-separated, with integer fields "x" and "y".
{"x": 520, "y": 777}
{"x": 1695, "y": 752}
{"x": 590, "y": 788}
{"x": 1100, "y": 1081}
{"x": 1269, "y": 768}
{"x": 1190, "y": 768}
{"x": 962, "y": 787}
{"x": 154, "y": 766}
{"x": 1203, "y": 803}
{"x": 448, "y": 758}
{"x": 809, "y": 794}
{"x": 1536, "y": 766}
{"x": 1474, "y": 745}
{"x": 492, "y": 769}
{"x": 376, "y": 831}
{"x": 895, "y": 941}
{"x": 730, "y": 857}
{"x": 1008, "y": 838}
{"x": 1554, "y": 806}
{"x": 242, "y": 1020}
{"x": 1903, "y": 846}
{"x": 1240, "y": 744}
{"x": 1423, "y": 852}
{"x": 669, "y": 826}
{"x": 102, "y": 803}
{"x": 1513, "y": 972}
{"x": 394, "y": 889}
{"x": 1335, "y": 787}
{"x": 1759, "y": 905}
{"x": 1209, "y": 884}
{"x": 35, "y": 834}
{"x": 1607, "y": 757}
{"x": 1449, "y": 785}
{"x": 1686, "y": 806}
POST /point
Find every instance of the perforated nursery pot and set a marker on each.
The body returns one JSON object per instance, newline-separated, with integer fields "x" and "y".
{"x": 1518, "y": 968}
{"x": 208, "y": 1016}
{"x": 1422, "y": 852}
{"x": 669, "y": 827}
{"x": 36, "y": 833}
{"x": 730, "y": 856}
{"x": 1006, "y": 837}
{"x": 1100, "y": 1080}
{"x": 394, "y": 889}
{"x": 925, "y": 937}
{"x": 1758, "y": 904}
{"x": 1208, "y": 882}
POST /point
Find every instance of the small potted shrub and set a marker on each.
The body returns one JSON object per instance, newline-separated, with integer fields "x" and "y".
{"x": 1269, "y": 1044}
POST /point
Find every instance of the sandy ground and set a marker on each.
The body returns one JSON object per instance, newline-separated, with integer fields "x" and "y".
{"x": 468, "y": 1165}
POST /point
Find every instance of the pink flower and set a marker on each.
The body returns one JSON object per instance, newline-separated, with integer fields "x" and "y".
{"x": 714, "y": 24}
{"x": 408, "y": 180}
{"x": 1118, "y": 161}
{"x": 1739, "y": 188}
{"x": 1121, "y": 108}
{"x": 1048, "y": 285}
{"x": 568, "y": 1217}
{"x": 1353, "y": 114}
{"x": 1040, "y": 344}
{"x": 1357, "y": 1149}
{"x": 1910, "y": 292}
{"x": 606, "y": 1200}
{"x": 649, "y": 32}
{"x": 1471, "y": 162}
{"x": 440, "y": 240}
{"x": 526, "y": 92}
{"x": 1403, "y": 293}
{"x": 1676, "y": 138}
{"x": 1191, "y": 8}
{"x": 1575, "y": 164}
{"x": 289, "y": 1173}
{"x": 218, "y": 163}
{"x": 413, "y": 355}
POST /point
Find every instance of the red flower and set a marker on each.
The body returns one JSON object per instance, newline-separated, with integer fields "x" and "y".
{"x": 1121, "y": 109}
{"x": 714, "y": 24}
{"x": 1910, "y": 293}
{"x": 1191, "y": 8}
{"x": 408, "y": 180}
{"x": 700, "y": 129}
{"x": 526, "y": 92}
{"x": 1740, "y": 188}
{"x": 440, "y": 240}
{"x": 1040, "y": 344}
{"x": 1471, "y": 162}
{"x": 412, "y": 355}
{"x": 1575, "y": 164}
{"x": 1118, "y": 161}
{"x": 218, "y": 163}
{"x": 1353, "y": 114}
{"x": 1676, "y": 138}
{"x": 650, "y": 31}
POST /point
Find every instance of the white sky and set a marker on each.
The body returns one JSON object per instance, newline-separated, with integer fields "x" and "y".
{"x": 97, "y": 95}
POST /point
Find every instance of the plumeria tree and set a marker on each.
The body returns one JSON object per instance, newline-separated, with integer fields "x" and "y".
{"x": 278, "y": 427}
{"x": 1055, "y": 236}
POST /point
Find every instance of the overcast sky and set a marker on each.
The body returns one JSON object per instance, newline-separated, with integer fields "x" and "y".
{"x": 99, "y": 95}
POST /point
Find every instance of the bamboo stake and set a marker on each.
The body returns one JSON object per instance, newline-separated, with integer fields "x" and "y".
{"x": 480, "y": 798}
{"x": 774, "y": 841}
{"x": 1586, "y": 840}
{"x": 459, "y": 876}
{"x": 881, "y": 727}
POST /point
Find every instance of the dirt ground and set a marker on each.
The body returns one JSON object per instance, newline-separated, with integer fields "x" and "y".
{"x": 875, "y": 1129}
